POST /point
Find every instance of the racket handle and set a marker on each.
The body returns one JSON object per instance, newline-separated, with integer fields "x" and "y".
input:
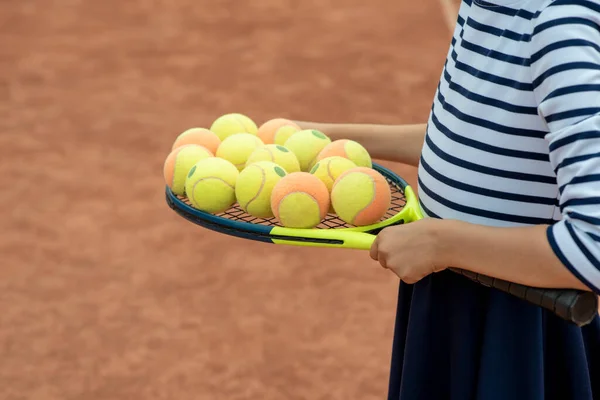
{"x": 576, "y": 306}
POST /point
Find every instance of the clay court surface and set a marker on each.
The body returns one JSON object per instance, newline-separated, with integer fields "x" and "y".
{"x": 105, "y": 294}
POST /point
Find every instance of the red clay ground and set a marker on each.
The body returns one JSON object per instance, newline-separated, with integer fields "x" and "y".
{"x": 105, "y": 293}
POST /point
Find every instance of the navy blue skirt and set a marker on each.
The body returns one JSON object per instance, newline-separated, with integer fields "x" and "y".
{"x": 457, "y": 340}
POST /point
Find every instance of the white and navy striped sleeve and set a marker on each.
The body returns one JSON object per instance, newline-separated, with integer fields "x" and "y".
{"x": 565, "y": 62}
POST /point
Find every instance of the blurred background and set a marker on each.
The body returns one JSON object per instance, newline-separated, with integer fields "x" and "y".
{"x": 104, "y": 292}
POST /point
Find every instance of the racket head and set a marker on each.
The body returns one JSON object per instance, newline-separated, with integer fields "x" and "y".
{"x": 235, "y": 221}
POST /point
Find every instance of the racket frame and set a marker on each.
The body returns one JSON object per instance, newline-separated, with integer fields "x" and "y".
{"x": 354, "y": 237}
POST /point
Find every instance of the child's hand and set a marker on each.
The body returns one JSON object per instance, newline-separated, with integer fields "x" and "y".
{"x": 411, "y": 251}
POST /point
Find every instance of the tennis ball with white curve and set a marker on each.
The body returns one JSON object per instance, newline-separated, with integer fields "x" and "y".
{"x": 277, "y": 130}
{"x": 349, "y": 149}
{"x": 230, "y": 124}
{"x": 210, "y": 185}
{"x": 255, "y": 185}
{"x": 361, "y": 196}
{"x": 178, "y": 164}
{"x": 329, "y": 169}
{"x": 300, "y": 200}
{"x": 306, "y": 145}
{"x": 280, "y": 155}
{"x": 238, "y": 147}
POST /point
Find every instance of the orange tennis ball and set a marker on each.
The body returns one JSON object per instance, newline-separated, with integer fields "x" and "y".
{"x": 349, "y": 149}
{"x": 361, "y": 196}
{"x": 277, "y": 131}
{"x": 179, "y": 162}
{"x": 200, "y": 136}
{"x": 300, "y": 200}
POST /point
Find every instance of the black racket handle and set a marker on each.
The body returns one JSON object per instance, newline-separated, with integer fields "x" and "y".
{"x": 576, "y": 306}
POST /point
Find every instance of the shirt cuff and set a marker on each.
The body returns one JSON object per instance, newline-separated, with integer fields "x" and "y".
{"x": 571, "y": 248}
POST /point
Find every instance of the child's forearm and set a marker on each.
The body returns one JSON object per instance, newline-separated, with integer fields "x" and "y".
{"x": 521, "y": 254}
{"x": 397, "y": 143}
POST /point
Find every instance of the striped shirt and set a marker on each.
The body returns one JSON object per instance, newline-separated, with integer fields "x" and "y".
{"x": 514, "y": 131}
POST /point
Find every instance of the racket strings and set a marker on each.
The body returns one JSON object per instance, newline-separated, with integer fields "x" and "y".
{"x": 331, "y": 221}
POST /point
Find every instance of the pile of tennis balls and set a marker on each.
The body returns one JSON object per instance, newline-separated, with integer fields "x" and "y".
{"x": 276, "y": 170}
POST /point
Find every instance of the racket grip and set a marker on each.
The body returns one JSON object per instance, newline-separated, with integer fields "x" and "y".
{"x": 576, "y": 306}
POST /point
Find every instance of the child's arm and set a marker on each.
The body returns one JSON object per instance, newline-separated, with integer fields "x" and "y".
{"x": 565, "y": 64}
{"x": 398, "y": 143}
{"x": 520, "y": 255}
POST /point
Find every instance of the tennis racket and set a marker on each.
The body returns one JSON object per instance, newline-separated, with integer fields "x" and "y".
{"x": 578, "y": 307}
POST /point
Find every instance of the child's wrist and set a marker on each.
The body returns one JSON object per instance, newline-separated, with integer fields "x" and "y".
{"x": 450, "y": 242}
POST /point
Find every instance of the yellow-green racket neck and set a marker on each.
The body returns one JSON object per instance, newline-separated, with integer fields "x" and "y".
{"x": 349, "y": 238}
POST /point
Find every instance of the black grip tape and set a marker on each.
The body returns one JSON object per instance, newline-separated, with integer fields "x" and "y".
{"x": 576, "y": 306}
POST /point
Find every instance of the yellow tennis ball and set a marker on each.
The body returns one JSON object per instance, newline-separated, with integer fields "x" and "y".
{"x": 361, "y": 196}
{"x": 306, "y": 145}
{"x": 277, "y": 131}
{"x": 210, "y": 185}
{"x": 238, "y": 147}
{"x": 349, "y": 149}
{"x": 178, "y": 164}
{"x": 330, "y": 168}
{"x": 230, "y": 124}
{"x": 275, "y": 153}
{"x": 255, "y": 185}
{"x": 200, "y": 136}
{"x": 300, "y": 200}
